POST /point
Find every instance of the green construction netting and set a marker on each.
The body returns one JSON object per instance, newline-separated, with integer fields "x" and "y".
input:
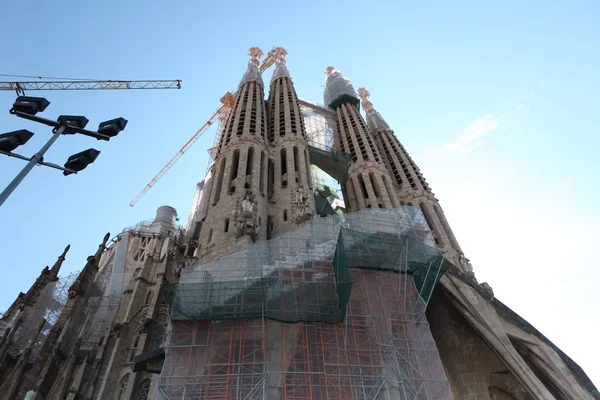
{"x": 311, "y": 288}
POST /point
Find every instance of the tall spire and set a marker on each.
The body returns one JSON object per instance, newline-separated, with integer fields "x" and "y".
{"x": 253, "y": 73}
{"x": 56, "y": 267}
{"x": 281, "y": 70}
{"x": 374, "y": 119}
{"x": 338, "y": 89}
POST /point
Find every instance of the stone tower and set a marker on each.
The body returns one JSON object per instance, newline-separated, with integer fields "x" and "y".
{"x": 368, "y": 183}
{"x": 410, "y": 186}
{"x": 237, "y": 209}
{"x": 291, "y": 201}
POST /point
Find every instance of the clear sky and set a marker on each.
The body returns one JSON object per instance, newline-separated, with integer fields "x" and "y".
{"x": 496, "y": 102}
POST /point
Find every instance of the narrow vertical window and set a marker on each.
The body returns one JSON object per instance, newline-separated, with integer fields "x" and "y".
{"x": 219, "y": 182}
{"x": 296, "y": 169}
{"x": 249, "y": 165}
{"x": 226, "y": 225}
{"x": 148, "y": 297}
{"x": 375, "y": 187}
{"x": 308, "y": 174}
{"x": 363, "y": 187}
{"x": 261, "y": 184}
{"x": 271, "y": 184}
{"x": 285, "y": 215}
{"x": 234, "y": 171}
{"x": 283, "y": 161}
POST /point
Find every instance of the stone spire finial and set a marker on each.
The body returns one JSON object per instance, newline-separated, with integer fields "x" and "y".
{"x": 374, "y": 119}
{"x": 364, "y": 95}
{"x": 281, "y": 70}
{"x": 253, "y": 72}
{"x": 56, "y": 267}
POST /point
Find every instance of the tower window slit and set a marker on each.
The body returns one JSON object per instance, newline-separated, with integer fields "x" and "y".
{"x": 234, "y": 171}
{"x": 261, "y": 185}
{"x": 271, "y": 183}
{"x": 226, "y": 225}
{"x": 283, "y": 160}
{"x": 308, "y": 174}
{"x": 285, "y": 217}
{"x": 363, "y": 187}
{"x": 296, "y": 164}
{"x": 249, "y": 167}
{"x": 219, "y": 181}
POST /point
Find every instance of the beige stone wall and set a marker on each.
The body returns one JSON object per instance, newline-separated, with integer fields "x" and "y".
{"x": 240, "y": 176}
{"x": 291, "y": 202}
{"x": 369, "y": 183}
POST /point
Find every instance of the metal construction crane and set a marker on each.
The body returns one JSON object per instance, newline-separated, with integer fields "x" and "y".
{"x": 21, "y": 87}
{"x": 220, "y": 115}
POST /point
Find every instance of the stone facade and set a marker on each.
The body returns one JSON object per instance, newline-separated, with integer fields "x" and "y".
{"x": 368, "y": 183}
{"x": 107, "y": 341}
{"x": 409, "y": 184}
{"x": 291, "y": 201}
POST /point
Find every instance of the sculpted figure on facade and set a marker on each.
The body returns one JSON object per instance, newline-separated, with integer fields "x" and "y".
{"x": 245, "y": 217}
{"x": 301, "y": 205}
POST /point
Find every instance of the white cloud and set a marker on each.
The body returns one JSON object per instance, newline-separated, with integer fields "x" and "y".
{"x": 475, "y": 132}
{"x": 470, "y": 139}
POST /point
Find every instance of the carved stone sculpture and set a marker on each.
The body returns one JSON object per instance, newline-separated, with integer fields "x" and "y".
{"x": 301, "y": 206}
{"x": 244, "y": 221}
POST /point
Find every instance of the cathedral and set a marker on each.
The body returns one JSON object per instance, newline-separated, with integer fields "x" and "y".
{"x": 279, "y": 288}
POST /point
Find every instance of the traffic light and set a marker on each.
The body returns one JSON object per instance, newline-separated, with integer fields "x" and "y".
{"x": 78, "y": 162}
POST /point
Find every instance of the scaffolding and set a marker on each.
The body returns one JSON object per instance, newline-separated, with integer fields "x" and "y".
{"x": 332, "y": 310}
{"x": 48, "y": 306}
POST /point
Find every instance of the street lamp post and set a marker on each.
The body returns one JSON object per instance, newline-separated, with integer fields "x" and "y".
{"x": 27, "y": 107}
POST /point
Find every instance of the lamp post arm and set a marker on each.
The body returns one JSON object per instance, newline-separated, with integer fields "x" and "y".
{"x": 37, "y": 158}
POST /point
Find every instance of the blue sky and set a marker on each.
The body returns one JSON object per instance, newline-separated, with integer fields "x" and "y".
{"x": 497, "y": 103}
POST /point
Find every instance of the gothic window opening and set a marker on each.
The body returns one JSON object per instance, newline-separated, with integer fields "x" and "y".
{"x": 219, "y": 181}
{"x": 307, "y": 163}
{"x": 143, "y": 390}
{"x": 296, "y": 163}
{"x": 148, "y": 297}
{"x": 271, "y": 184}
{"x": 270, "y": 226}
{"x": 249, "y": 168}
{"x": 140, "y": 254}
{"x": 134, "y": 346}
{"x": 283, "y": 160}
{"x": 159, "y": 332}
{"x": 261, "y": 183}
{"x": 234, "y": 171}
{"x": 285, "y": 215}
{"x": 226, "y": 225}
{"x": 363, "y": 187}
{"x": 122, "y": 387}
